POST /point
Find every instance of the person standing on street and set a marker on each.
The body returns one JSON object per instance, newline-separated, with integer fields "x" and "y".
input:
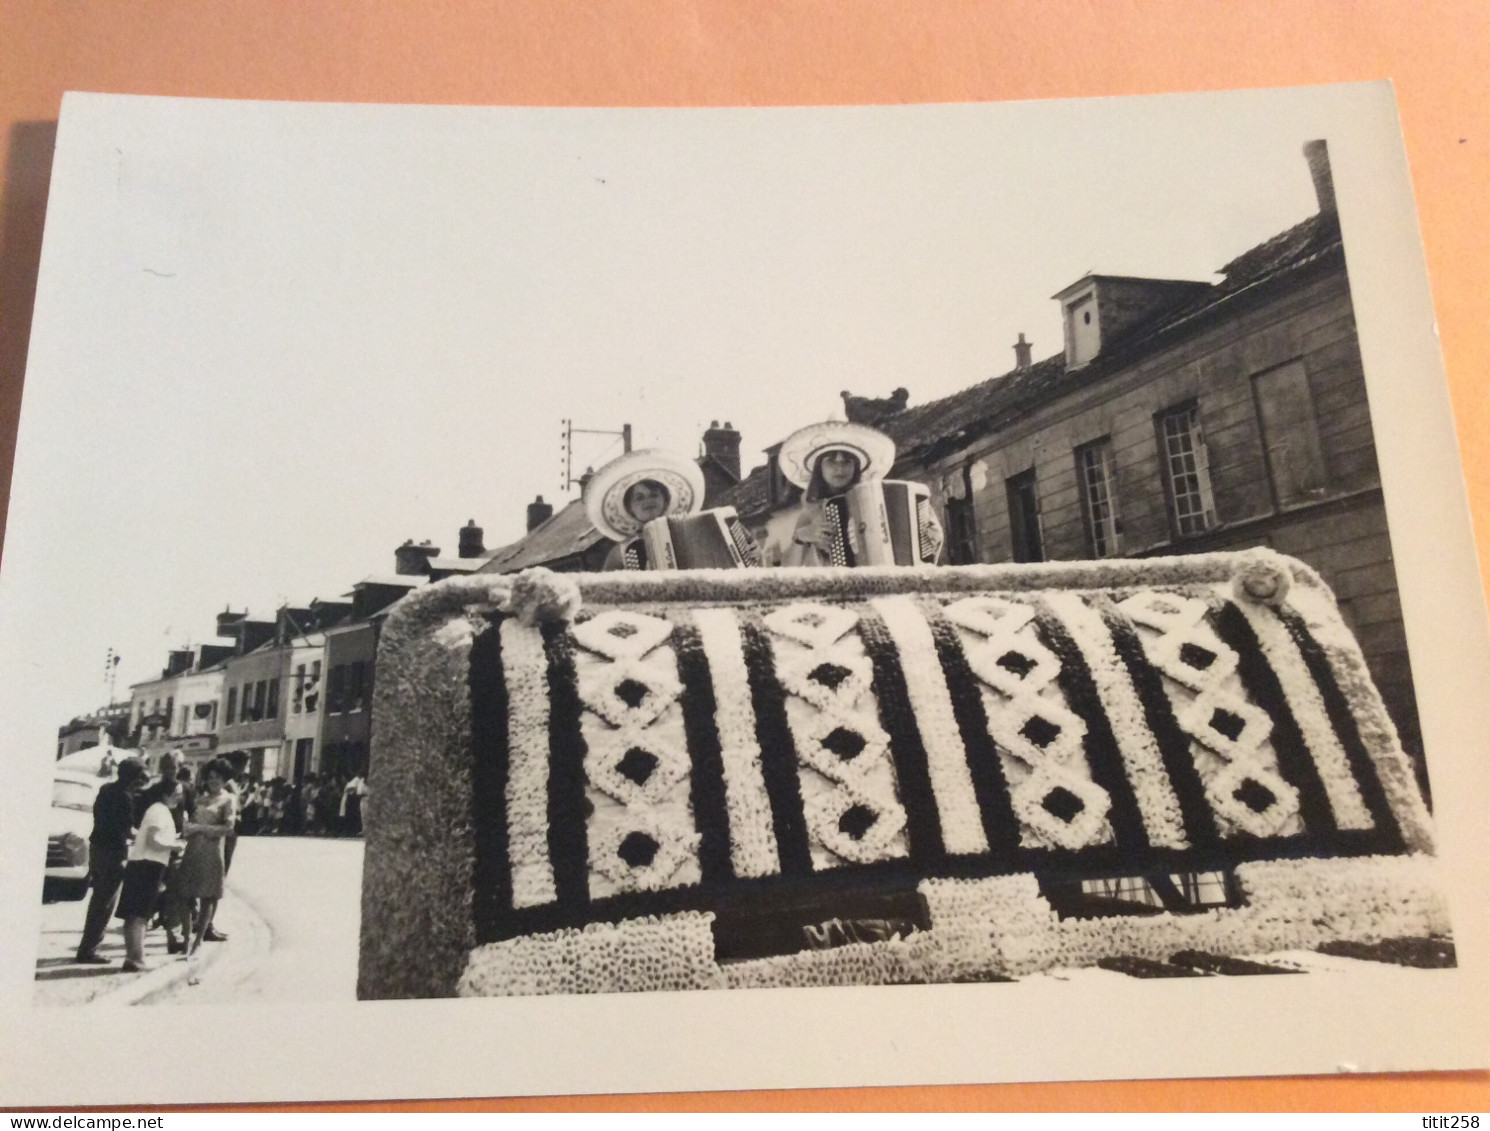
{"x": 154, "y": 843}
{"x": 237, "y": 785}
{"x": 198, "y": 879}
{"x": 351, "y": 805}
{"x": 108, "y": 848}
{"x": 173, "y": 911}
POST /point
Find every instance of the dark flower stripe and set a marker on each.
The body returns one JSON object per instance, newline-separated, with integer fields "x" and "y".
{"x": 706, "y": 782}
{"x": 1295, "y": 763}
{"x": 913, "y": 777}
{"x": 491, "y": 878}
{"x": 1000, "y": 825}
{"x": 778, "y": 751}
{"x": 768, "y": 892}
{"x": 1102, "y": 754}
{"x": 1174, "y": 743}
{"x": 1341, "y": 718}
{"x": 568, "y": 808}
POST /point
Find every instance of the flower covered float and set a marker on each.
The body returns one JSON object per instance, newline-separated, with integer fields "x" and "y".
{"x": 587, "y": 783}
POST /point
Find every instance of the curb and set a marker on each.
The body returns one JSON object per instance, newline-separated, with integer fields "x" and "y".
{"x": 175, "y": 971}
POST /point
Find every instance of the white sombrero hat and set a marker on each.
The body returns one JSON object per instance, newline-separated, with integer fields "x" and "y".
{"x": 605, "y": 493}
{"x": 803, "y": 448}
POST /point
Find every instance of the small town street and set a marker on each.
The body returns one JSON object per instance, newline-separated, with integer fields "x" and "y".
{"x": 291, "y": 912}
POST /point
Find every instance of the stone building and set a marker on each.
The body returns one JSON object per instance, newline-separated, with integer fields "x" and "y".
{"x": 1181, "y": 417}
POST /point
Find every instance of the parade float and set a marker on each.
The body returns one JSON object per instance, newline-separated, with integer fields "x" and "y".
{"x": 732, "y": 778}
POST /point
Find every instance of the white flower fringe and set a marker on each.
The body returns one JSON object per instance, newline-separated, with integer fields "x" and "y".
{"x": 1000, "y": 926}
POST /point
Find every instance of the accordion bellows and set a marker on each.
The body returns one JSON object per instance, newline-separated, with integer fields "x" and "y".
{"x": 814, "y": 777}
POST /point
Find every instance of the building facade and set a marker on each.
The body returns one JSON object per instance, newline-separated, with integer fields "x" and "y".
{"x": 251, "y": 710}
{"x": 346, "y": 724}
{"x": 179, "y": 711}
{"x": 1180, "y": 418}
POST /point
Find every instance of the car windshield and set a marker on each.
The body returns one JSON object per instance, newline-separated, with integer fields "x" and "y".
{"x": 72, "y": 795}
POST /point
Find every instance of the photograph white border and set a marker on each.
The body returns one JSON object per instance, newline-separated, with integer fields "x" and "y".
{"x": 915, "y": 1034}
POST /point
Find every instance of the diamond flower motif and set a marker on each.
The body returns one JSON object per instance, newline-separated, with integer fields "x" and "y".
{"x": 854, "y": 825}
{"x": 618, "y": 634}
{"x": 1010, "y": 666}
{"x": 1167, "y": 612}
{"x": 813, "y": 625}
{"x": 1227, "y": 724}
{"x": 635, "y": 767}
{"x": 639, "y": 854}
{"x": 829, "y": 680}
{"x": 989, "y": 616}
{"x": 1068, "y": 811}
{"x": 1038, "y": 731}
{"x": 630, "y": 692}
{"x": 843, "y": 745}
{"x": 1253, "y": 798}
{"x": 1196, "y": 658}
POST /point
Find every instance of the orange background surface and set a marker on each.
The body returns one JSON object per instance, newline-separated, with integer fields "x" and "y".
{"x": 771, "y": 52}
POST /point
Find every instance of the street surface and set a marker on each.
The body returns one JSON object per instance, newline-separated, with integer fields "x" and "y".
{"x": 291, "y": 912}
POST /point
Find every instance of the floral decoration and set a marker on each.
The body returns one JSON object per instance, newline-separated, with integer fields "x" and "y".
{"x": 847, "y": 779}
{"x": 526, "y": 676}
{"x": 668, "y": 952}
{"x": 640, "y": 833}
{"x": 647, "y": 752}
{"x": 1154, "y": 793}
{"x": 1054, "y": 797}
{"x": 1231, "y": 735}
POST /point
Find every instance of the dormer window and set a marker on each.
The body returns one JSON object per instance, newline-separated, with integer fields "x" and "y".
{"x": 1083, "y": 334}
{"x": 1099, "y": 310}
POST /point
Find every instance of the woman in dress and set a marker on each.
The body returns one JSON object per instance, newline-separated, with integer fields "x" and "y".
{"x": 824, "y": 460}
{"x": 145, "y": 871}
{"x": 632, "y": 490}
{"x": 199, "y": 878}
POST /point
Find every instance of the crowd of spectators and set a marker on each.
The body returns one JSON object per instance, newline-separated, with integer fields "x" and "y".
{"x": 160, "y": 848}
{"x": 319, "y": 805}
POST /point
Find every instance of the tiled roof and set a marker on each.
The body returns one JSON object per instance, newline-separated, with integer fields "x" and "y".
{"x": 1301, "y": 245}
{"x": 565, "y": 533}
{"x": 750, "y": 496}
{"x": 927, "y": 431}
{"x": 921, "y": 432}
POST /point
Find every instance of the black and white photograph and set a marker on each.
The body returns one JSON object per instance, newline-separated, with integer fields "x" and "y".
{"x": 961, "y": 561}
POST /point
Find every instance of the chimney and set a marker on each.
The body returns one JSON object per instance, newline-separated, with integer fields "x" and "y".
{"x": 539, "y": 512}
{"x": 872, "y": 410}
{"x": 413, "y": 561}
{"x": 723, "y": 446}
{"x": 1022, "y": 350}
{"x": 228, "y": 621}
{"x": 1317, "y": 153}
{"x": 472, "y": 543}
{"x": 252, "y": 633}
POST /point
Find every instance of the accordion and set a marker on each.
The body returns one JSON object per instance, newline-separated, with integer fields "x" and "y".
{"x": 884, "y": 522}
{"x": 712, "y": 539}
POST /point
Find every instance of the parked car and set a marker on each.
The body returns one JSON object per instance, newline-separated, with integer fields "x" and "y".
{"x": 73, "y": 794}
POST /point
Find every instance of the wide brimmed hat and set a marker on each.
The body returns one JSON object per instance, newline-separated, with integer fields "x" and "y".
{"x": 605, "y": 493}
{"x": 803, "y": 448}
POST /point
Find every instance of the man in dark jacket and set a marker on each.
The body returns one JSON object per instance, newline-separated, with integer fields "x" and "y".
{"x": 108, "y": 848}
